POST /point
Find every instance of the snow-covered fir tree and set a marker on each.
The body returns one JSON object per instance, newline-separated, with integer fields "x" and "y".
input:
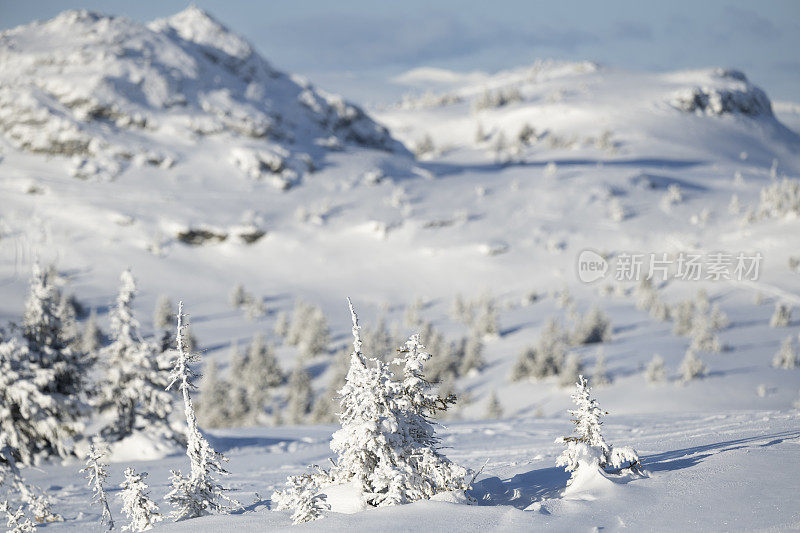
{"x": 42, "y": 383}
{"x": 141, "y": 511}
{"x": 571, "y": 370}
{"x": 214, "y": 402}
{"x": 782, "y": 315}
{"x": 282, "y": 325}
{"x": 547, "y": 358}
{"x": 302, "y": 497}
{"x": 132, "y": 390}
{"x": 96, "y": 473}
{"x": 412, "y": 315}
{"x": 703, "y": 334}
{"x": 323, "y": 411}
{"x": 199, "y": 492}
{"x": 16, "y": 521}
{"x": 315, "y": 336}
{"x": 386, "y": 443}
{"x": 92, "y": 336}
{"x": 655, "y": 372}
{"x": 486, "y": 322}
{"x": 299, "y": 395}
{"x": 600, "y": 373}
{"x": 259, "y": 374}
{"x": 787, "y": 357}
{"x": 164, "y": 313}
{"x": 34, "y": 499}
{"x": 462, "y": 311}
{"x": 588, "y": 448}
{"x": 691, "y": 367}
{"x": 494, "y": 409}
{"x": 473, "y": 361}
{"x": 683, "y": 313}
{"x": 593, "y": 327}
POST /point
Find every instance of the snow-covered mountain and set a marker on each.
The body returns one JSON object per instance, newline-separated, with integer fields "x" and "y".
{"x": 175, "y": 149}
{"x": 103, "y": 91}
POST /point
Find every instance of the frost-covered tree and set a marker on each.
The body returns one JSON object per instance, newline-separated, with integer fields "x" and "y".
{"x": 260, "y": 373}
{"x": 655, "y": 372}
{"x": 323, "y": 411}
{"x": 96, "y": 473}
{"x": 386, "y": 443}
{"x": 787, "y": 357}
{"x": 164, "y": 313}
{"x": 594, "y": 326}
{"x": 411, "y": 316}
{"x": 473, "y": 356}
{"x": 316, "y": 335}
{"x": 238, "y": 296}
{"x": 524, "y": 365}
{"x": 691, "y": 367}
{"x": 571, "y": 370}
{"x": 588, "y": 448}
{"x": 782, "y": 315}
{"x": 299, "y": 395}
{"x": 16, "y": 521}
{"x": 683, "y": 313}
{"x": 600, "y": 373}
{"x": 213, "y": 406}
{"x": 282, "y": 325}
{"x": 92, "y": 336}
{"x": 494, "y": 409}
{"x": 485, "y": 323}
{"x": 132, "y": 390}
{"x": 547, "y": 358}
{"x": 34, "y": 499}
{"x": 199, "y": 492}
{"x": 42, "y": 385}
{"x": 704, "y": 338}
{"x": 136, "y": 503}
{"x": 462, "y": 311}
{"x": 302, "y": 497}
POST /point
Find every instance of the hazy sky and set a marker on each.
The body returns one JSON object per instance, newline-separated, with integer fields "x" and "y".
{"x": 355, "y": 47}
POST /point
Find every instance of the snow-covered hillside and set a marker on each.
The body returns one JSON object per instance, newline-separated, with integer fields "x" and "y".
{"x": 174, "y": 149}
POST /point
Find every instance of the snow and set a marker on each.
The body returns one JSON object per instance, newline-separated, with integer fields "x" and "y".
{"x": 176, "y": 150}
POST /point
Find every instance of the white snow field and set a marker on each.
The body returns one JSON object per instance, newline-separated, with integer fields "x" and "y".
{"x": 175, "y": 150}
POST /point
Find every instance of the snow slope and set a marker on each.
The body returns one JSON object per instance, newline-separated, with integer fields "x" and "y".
{"x": 175, "y": 149}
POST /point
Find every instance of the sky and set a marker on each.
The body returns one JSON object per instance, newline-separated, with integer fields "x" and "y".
{"x": 356, "y": 48}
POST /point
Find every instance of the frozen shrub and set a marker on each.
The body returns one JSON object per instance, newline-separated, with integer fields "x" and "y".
{"x": 494, "y": 409}
{"x": 655, "y": 372}
{"x": 779, "y": 199}
{"x": 782, "y": 315}
{"x": 302, "y": 497}
{"x": 164, "y": 313}
{"x": 472, "y": 361}
{"x": 96, "y": 474}
{"x": 787, "y": 357}
{"x": 691, "y": 367}
{"x": 299, "y": 395}
{"x": 600, "y": 373}
{"x": 593, "y": 327}
{"x": 571, "y": 371}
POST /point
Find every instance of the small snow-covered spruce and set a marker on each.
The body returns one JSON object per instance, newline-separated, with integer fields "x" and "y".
{"x": 600, "y": 373}
{"x": 96, "y": 473}
{"x": 703, "y": 334}
{"x": 42, "y": 385}
{"x": 787, "y": 357}
{"x": 691, "y": 367}
{"x": 199, "y": 493}
{"x": 164, "y": 313}
{"x": 387, "y": 444}
{"x": 485, "y": 323}
{"x": 16, "y": 521}
{"x": 571, "y": 370}
{"x": 299, "y": 395}
{"x": 136, "y": 504}
{"x": 782, "y": 315}
{"x": 133, "y": 387}
{"x": 259, "y": 374}
{"x": 494, "y": 409}
{"x": 588, "y": 448}
{"x": 594, "y": 326}
{"x": 35, "y": 500}
{"x": 302, "y": 497}
{"x": 92, "y": 337}
{"x": 655, "y": 373}
{"x": 213, "y": 406}
{"x": 472, "y": 361}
